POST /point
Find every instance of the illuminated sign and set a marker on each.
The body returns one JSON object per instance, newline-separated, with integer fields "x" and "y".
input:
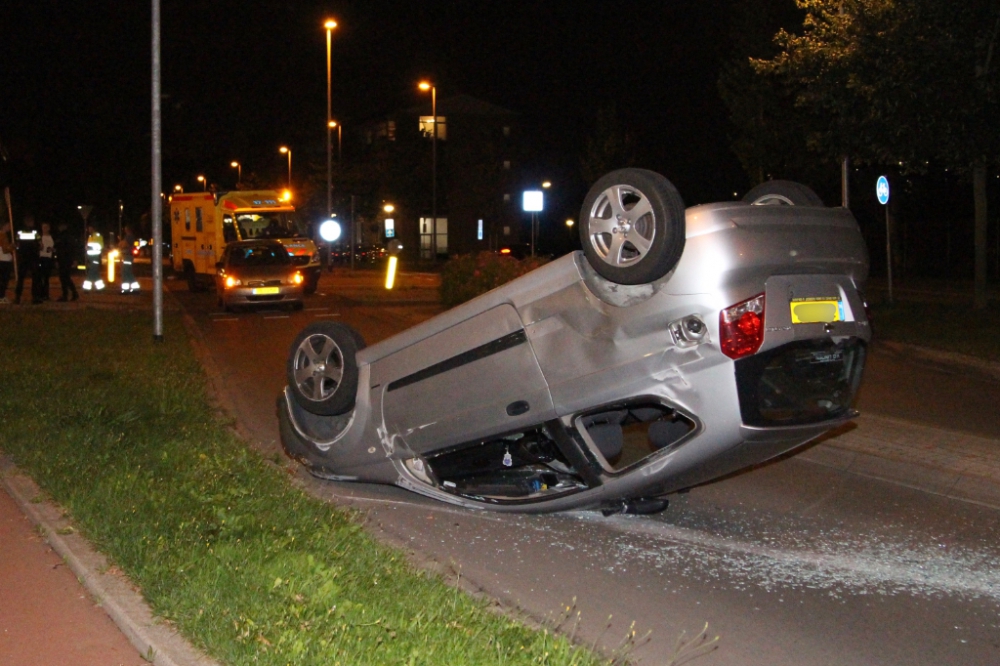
{"x": 390, "y": 228}
{"x": 532, "y": 202}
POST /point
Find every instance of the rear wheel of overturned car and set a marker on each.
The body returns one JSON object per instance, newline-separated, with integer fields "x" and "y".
{"x": 632, "y": 226}
{"x": 782, "y": 193}
{"x": 322, "y": 371}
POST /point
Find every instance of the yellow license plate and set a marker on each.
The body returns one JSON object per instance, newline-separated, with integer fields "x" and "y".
{"x": 264, "y": 291}
{"x": 816, "y": 310}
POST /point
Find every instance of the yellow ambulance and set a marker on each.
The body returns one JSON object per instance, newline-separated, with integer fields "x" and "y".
{"x": 202, "y": 223}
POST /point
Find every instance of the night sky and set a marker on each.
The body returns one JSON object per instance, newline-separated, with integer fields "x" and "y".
{"x": 242, "y": 78}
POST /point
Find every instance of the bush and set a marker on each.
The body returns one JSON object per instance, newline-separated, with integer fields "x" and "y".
{"x": 466, "y": 276}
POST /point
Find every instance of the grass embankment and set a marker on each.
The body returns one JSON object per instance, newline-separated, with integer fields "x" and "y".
{"x": 120, "y": 431}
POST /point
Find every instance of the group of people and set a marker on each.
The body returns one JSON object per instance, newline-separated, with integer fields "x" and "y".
{"x": 38, "y": 252}
{"x": 32, "y": 254}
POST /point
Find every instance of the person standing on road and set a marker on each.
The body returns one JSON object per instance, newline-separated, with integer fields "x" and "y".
{"x": 129, "y": 284}
{"x": 95, "y": 246}
{"x": 6, "y": 261}
{"x": 65, "y": 245}
{"x": 46, "y": 258}
{"x": 27, "y": 260}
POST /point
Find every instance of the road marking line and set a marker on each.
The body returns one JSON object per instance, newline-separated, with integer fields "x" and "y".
{"x": 276, "y": 317}
{"x": 330, "y": 314}
{"x": 316, "y": 309}
{"x": 226, "y": 319}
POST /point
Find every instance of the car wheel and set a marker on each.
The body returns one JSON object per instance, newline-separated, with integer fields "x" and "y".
{"x": 782, "y": 193}
{"x": 322, "y": 371}
{"x": 632, "y": 226}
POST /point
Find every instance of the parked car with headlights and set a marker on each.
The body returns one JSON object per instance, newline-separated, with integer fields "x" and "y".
{"x": 258, "y": 272}
{"x": 678, "y": 346}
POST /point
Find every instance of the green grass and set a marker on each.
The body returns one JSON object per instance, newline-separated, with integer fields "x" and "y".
{"x": 119, "y": 430}
{"x": 943, "y": 326}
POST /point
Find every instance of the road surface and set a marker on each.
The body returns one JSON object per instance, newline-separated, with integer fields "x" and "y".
{"x": 793, "y": 563}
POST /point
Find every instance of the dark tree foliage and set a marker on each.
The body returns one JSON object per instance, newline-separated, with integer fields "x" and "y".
{"x": 909, "y": 83}
{"x": 610, "y": 146}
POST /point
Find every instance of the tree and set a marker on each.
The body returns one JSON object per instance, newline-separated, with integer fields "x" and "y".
{"x": 770, "y": 130}
{"x": 905, "y": 83}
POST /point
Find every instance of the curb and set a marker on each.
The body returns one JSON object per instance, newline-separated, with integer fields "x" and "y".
{"x": 151, "y": 636}
{"x": 989, "y": 368}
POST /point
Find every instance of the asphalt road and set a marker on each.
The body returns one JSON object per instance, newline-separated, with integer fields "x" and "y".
{"x": 793, "y": 563}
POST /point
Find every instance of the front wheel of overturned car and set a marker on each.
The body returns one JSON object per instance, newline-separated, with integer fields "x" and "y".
{"x": 322, "y": 371}
{"x": 782, "y": 193}
{"x": 632, "y": 226}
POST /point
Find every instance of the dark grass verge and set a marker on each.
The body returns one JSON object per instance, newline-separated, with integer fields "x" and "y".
{"x": 947, "y": 327}
{"x": 119, "y": 430}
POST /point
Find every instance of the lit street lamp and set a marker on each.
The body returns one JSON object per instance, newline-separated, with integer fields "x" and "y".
{"x": 283, "y": 150}
{"x": 239, "y": 172}
{"x": 178, "y": 188}
{"x": 425, "y": 85}
{"x": 204, "y": 183}
{"x": 330, "y": 24}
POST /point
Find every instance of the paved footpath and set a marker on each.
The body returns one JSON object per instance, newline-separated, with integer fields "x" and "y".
{"x": 46, "y": 616}
{"x": 55, "y": 615}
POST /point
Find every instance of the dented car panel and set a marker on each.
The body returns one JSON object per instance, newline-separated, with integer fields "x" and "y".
{"x": 564, "y": 389}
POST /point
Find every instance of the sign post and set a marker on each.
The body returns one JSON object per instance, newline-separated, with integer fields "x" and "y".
{"x": 533, "y": 202}
{"x": 882, "y": 192}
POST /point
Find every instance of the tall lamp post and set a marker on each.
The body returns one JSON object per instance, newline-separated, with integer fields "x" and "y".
{"x": 331, "y": 125}
{"x": 283, "y": 150}
{"x": 204, "y": 183}
{"x": 330, "y": 24}
{"x": 239, "y": 172}
{"x": 426, "y": 85}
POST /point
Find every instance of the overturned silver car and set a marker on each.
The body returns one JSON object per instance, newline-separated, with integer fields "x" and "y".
{"x": 679, "y": 346}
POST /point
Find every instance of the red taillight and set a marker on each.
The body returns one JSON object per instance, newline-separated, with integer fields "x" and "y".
{"x": 741, "y": 327}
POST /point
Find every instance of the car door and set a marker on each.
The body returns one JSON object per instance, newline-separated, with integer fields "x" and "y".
{"x": 476, "y": 378}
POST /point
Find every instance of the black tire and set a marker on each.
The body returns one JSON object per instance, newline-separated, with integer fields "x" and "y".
{"x": 632, "y": 226}
{"x": 321, "y": 370}
{"x": 194, "y": 286}
{"x": 782, "y": 193}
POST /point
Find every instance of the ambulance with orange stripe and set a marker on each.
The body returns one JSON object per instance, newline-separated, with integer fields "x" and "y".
{"x": 202, "y": 223}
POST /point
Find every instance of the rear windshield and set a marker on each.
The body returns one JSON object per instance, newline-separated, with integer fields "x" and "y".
{"x": 259, "y": 255}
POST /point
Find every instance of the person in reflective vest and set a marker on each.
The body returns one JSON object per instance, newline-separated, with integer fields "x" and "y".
{"x": 127, "y": 244}
{"x": 95, "y": 245}
{"x": 27, "y": 261}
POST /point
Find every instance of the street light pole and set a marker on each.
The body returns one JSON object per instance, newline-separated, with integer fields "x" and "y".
{"x": 204, "y": 183}
{"x": 434, "y": 161}
{"x": 239, "y": 172}
{"x": 329, "y": 25}
{"x": 286, "y": 149}
{"x": 332, "y": 124}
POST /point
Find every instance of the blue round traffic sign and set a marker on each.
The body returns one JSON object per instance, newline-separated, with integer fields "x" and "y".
{"x": 882, "y": 190}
